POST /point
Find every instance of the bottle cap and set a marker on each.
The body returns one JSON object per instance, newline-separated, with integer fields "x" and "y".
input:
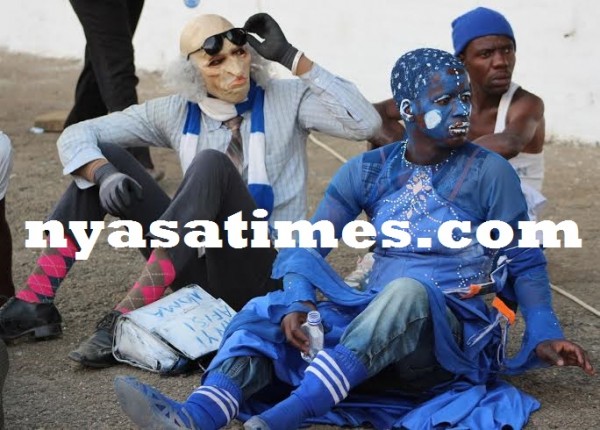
{"x": 314, "y": 317}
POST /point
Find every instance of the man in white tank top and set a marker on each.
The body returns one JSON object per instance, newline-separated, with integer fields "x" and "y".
{"x": 505, "y": 118}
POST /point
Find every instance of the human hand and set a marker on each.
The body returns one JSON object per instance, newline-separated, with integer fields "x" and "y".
{"x": 275, "y": 46}
{"x": 564, "y": 353}
{"x": 291, "y": 327}
{"x": 116, "y": 189}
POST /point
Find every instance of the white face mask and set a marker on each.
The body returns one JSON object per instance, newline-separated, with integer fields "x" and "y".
{"x": 226, "y": 74}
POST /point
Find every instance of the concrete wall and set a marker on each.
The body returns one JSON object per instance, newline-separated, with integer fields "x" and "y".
{"x": 557, "y": 41}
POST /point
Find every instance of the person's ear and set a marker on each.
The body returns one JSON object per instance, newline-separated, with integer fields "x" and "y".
{"x": 461, "y": 58}
{"x": 406, "y": 111}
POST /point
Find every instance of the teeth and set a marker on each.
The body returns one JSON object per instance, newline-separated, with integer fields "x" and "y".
{"x": 460, "y": 129}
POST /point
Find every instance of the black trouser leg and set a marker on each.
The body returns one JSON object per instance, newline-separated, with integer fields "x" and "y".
{"x": 108, "y": 80}
{"x": 212, "y": 189}
{"x": 88, "y": 100}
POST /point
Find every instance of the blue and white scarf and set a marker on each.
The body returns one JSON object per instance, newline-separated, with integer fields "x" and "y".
{"x": 258, "y": 180}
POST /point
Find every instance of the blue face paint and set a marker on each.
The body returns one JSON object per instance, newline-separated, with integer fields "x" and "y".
{"x": 436, "y": 85}
{"x": 442, "y": 109}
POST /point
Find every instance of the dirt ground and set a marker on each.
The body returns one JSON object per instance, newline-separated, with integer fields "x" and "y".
{"x": 46, "y": 390}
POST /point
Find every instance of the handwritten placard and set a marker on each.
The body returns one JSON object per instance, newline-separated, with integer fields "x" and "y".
{"x": 189, "y": 322}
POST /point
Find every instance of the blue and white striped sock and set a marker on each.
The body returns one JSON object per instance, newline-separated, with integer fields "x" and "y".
{"x": 216, "y": 402}
{"x": 327, "y": 381}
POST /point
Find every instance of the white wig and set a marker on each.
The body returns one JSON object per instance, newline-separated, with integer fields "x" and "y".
{"x": 184, "y": 78}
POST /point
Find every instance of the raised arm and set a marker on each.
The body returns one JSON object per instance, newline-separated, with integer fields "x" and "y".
{"x": 330, "y": 104}
{"x": 335, "y": 106}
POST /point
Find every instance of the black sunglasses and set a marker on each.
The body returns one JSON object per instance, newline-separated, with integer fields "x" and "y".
{"x": 213, "y": 44}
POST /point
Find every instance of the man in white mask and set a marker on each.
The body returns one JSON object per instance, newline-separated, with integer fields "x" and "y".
{"x": 241, "y": 140}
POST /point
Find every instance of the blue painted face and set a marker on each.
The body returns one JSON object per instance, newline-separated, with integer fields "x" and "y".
{"x": 441, "y": 109}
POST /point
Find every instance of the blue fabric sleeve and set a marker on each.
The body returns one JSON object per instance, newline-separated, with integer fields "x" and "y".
{"x": 343, "y": 199}
{"x": 340, "y": 205}
{"x": 500, "y": 191}
{"x": 298, "y": 289}
{"x": 527, "y": 270}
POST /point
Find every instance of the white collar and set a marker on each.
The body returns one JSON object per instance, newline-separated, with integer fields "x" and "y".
{"x": 218, "y": 109}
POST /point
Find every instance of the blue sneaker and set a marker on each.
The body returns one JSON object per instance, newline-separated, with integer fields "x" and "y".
{"x": 150, "y": 409}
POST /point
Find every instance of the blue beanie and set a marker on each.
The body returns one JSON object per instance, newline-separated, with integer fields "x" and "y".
{"x": 476, "y": 23}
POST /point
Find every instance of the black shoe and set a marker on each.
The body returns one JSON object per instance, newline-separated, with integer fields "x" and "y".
{"x": 37, "y": 320}
{"x": 96, "y": 351}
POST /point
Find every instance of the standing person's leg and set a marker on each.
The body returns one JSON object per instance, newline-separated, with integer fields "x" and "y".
{"x": 109, "y": 70}
{"x": 134, "y": 8}
{"x": 109, "y": 45}
{"x": 394, "y": 330}
{"x": 88, "y": 100}
{"x": 32, "y": 311}
{"x": 7, "y": 289}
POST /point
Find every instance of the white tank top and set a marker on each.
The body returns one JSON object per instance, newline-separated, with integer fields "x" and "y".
{"x": 529, "y": 167}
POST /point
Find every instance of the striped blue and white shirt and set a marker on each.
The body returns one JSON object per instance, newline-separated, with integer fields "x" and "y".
{"x": 318, "y": 101}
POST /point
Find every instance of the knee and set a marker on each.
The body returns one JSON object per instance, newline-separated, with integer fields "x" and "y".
{"x": 210, "y": 160}
{"x": 111, "y": 151}
{"x": 403, "y": 294}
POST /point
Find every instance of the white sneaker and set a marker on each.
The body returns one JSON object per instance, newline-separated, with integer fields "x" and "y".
{"x": 359, "y": 278}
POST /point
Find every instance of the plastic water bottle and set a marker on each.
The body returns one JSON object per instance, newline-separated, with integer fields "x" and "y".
{"x": 313, "y": 328}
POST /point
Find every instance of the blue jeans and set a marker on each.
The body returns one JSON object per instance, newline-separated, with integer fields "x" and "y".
{"x": 393, "y": 338}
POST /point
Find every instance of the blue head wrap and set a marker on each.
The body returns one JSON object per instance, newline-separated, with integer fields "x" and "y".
{"x": 411, "y": 72}
{"x": 476, "y": 23}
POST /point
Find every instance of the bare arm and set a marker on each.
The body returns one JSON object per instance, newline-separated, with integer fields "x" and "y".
{"x": 525, "y": 128}
{"x": 391, "y": 130}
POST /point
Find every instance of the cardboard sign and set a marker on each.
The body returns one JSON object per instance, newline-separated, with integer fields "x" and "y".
{"x": 188, "y": 323}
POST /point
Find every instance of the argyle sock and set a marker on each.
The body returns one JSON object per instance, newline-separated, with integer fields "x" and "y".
{"x": 215, "y": 403}
{"x": 51, "y": 268}
{"x": 327, "y": 381}
{"x": 157, "y": 275}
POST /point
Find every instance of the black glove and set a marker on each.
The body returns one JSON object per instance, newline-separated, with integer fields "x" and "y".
{"x": 275, "y": 46}
{"x": 116, "y": 189}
